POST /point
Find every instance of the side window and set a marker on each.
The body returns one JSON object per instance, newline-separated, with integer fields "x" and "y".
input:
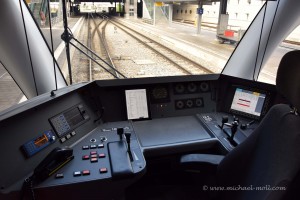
{"x": 269, "y": 70}
{"x": 10, "y": 93}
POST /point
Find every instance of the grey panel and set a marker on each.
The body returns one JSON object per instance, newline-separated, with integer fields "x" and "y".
{"x": 243, "y": 62}
{"x": 14, "y": 53}
{"x": 169, "y": 131}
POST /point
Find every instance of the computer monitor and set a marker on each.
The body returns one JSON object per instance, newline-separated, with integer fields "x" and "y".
{"x": 248, "y": 103}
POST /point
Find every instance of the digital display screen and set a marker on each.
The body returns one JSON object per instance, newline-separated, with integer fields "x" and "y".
{"x": 136, "y": 104}
{"x": 40, "y": 141}
{"x": 67, "y": 121}
{"x": 248, "y": 102}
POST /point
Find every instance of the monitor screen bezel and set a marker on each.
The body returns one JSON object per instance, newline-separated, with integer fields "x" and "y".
{"x": 245, "y": 114}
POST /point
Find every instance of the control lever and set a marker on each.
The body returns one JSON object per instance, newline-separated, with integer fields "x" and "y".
{"x": 234, "y": 126}
{"x": 120, "y": 132}
{"x": 224, "y": 120}
{"x": 128, "y": 136}
{"x": 245, "y": 126}
{"x": 236, "y": 119}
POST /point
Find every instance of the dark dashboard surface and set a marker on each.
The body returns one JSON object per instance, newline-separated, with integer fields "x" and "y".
{"x": 185, "y": 114}
{"x": 170, "y": 130}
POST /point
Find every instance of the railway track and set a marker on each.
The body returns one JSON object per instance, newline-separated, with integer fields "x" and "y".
{"x": 93, "y": 59}
{"x": 181, "y": 62}
{"x": 101, "y": 47}
{"x": 95, "y": 62}
{"x": 80, "y": 61}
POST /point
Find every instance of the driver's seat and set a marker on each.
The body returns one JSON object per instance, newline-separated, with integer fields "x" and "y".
{"x": 267, "y": 164}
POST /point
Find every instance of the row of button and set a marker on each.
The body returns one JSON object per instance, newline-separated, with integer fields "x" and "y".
{"x": 87, "y": 172}
{"x": 93, "y": 156}
{"x": 83, "y": 173}
{"x": 68, "y": 136}
{"x": 113, "y": 129}
{"x": 93, "y": 146}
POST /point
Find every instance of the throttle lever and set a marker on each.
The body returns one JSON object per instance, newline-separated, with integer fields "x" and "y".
{"x": 128, "y": 136}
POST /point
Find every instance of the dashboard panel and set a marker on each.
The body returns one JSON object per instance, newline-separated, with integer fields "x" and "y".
{"x": 184, "y": 114}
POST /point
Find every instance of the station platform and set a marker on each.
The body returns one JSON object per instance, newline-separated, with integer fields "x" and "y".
{"x": 9, "y": 90}
{"x": 205, "y": 46}
{"x": 183, "y": 36}
{"x": 74, "y": 23}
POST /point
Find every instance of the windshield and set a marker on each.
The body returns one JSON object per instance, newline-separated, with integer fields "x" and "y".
{"x": 142, "y": 38}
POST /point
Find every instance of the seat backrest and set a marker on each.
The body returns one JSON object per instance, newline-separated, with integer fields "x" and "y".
{"x": 266, "y": 164}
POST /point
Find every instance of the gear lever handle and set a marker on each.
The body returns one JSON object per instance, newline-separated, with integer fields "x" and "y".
{"x": 120, "y": 132}
{"x": 224, "y": 120}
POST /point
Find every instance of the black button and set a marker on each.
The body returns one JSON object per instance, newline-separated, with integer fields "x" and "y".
{"x": 85, "y": 147}
{"x": 77, "y": 173}
{"x": 59, "y": 175}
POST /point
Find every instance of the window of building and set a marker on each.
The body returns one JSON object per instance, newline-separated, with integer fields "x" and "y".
{"x": 247, "y": 16}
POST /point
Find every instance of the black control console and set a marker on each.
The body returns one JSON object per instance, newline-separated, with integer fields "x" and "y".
{"x": 227, "y": 128}
{"x": 110, "y": 125}
{"x": 104, "y": 154}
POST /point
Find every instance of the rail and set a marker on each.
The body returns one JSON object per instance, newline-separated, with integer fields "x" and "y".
{"x": 90, "y": 53}
{"x": 101, "y": 34}
{"x": 188, "y": 71}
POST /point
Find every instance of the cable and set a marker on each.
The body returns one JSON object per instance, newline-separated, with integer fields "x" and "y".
{"x": 268, "y": 39}
{"x": 27, "y": 187}
{"x": 28, "y": 47}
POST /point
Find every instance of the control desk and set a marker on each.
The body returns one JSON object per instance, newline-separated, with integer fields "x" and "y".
{"x": 94, "y": 139}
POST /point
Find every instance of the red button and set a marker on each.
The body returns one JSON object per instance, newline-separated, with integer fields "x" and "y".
{"x": 86, "y": 172}
{"x": 101, "y": 155}
{"x": 94, "y": 159}
{"x": 85, "y": 157}
{"x": 93, "y": 156}
{"x": 103, "y": 170}
{"x": 93, "y": 152}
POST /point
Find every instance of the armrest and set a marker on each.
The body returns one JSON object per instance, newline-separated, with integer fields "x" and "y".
{"x": 201, "y": 162}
